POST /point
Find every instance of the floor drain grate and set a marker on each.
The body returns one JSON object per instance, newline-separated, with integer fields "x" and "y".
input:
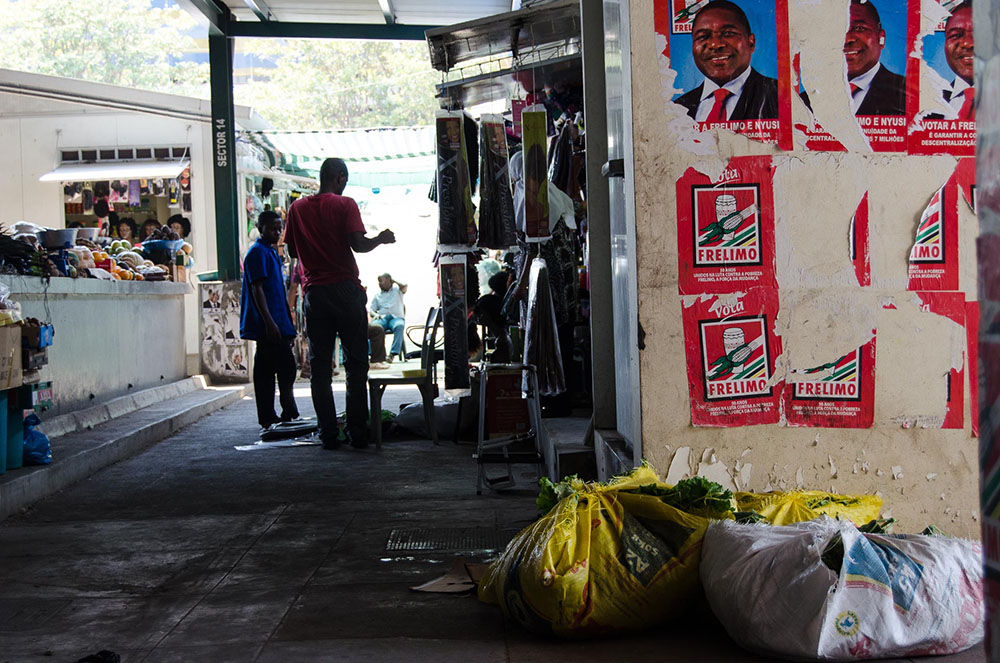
{"x": 451, "y": 538}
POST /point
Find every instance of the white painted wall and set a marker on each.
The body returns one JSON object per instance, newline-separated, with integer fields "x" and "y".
{"x": 32, "y": 133}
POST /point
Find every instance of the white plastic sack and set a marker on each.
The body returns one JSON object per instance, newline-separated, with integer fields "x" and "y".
{"x": 895, "y": 596}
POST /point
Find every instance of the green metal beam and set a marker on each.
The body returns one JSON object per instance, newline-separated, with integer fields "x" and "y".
{"x": 220, "y": 59}
{"x": 328, "y": 30}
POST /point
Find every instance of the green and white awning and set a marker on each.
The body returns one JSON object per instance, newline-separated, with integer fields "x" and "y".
{"x": 391, "y": 156}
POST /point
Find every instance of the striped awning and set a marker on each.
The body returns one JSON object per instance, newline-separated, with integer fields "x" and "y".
{"x": 375, "y": 157}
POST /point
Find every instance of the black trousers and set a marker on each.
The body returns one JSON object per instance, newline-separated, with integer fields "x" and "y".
{"x": 338, "y": 308}
{"x": 270, "y": 360}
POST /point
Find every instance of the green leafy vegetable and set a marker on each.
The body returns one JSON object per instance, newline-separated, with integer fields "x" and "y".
{"x": 696, "y": 495}
{"x": 551, "y": 493}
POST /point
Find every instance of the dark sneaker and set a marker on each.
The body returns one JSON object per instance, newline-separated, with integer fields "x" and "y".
{"x": 330, "y": 444}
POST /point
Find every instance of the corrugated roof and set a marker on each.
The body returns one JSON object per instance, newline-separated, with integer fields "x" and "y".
{"x": 407, "y": 12}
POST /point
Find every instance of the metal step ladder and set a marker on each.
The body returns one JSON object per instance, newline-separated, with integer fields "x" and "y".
{"x": 517, "y": 449}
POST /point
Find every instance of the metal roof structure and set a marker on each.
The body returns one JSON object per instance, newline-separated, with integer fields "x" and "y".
{"x": 338, "y": 19}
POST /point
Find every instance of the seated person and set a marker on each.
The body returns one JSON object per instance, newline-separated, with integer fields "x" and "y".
{"x": 180, "y": 224}
{"x": 126, "y": 229}
{"x": 389, "y": 312}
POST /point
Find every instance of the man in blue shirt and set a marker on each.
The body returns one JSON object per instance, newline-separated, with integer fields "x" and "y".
{"x": 387, "y": 307}
{"x": 265, "y": 318}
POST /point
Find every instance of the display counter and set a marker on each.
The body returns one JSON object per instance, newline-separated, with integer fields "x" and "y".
{"x": 112, "y": 338}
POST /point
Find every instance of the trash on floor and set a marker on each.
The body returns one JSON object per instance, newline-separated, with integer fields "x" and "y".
{"x": 461, "y": 578}
{"x": 306, "y": 441}
{"x": 289, "y": 429}
{"x": 826, "y": 590}
{"x": 624, "y": 555}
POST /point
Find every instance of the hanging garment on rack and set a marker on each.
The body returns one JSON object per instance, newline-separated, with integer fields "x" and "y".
{"x": 456, "y": 225}
{"x": 541, "y": 337}
{"x": 496, "y": 204}
{"x": 454, "y": 289}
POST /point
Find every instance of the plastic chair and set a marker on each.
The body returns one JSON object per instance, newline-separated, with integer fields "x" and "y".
{"x": 426, "y": 383}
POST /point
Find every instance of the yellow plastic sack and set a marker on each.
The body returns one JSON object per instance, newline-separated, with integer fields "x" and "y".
{"x": 780, "y": 508}
{"x": 602, "y": 561}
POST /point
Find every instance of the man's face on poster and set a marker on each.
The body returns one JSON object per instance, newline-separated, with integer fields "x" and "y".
{"x": 958, "y": 44}
{"x": 721, "y": 45}
{"x": 864, "y": 40}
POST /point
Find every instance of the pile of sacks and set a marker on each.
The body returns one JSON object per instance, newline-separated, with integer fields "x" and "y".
{"x": 793, "y": 574}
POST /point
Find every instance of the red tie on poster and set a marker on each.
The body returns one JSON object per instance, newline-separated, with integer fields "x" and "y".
{"x": 725, "y": 228}
{"x": 730, "y": 347}
{"x": 718, "y": 112}
{"x": 968, "y": 111}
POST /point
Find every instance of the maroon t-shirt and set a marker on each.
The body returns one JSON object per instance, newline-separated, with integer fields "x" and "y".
{"x": 320, "y": 228}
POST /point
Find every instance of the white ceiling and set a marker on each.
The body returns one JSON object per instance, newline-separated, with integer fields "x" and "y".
{"x": 407, "y": 12}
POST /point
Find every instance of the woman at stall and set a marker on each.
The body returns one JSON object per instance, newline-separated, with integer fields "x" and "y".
{"x": 150, "y": 225}
{"x": 126, "y": 229}
{"x": 180, "y": 224}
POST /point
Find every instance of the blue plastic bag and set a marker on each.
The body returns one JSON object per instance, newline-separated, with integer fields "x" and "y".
{"x": 37, "y": 450}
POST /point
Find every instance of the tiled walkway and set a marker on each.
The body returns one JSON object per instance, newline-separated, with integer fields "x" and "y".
{"x": 194, "y": 551}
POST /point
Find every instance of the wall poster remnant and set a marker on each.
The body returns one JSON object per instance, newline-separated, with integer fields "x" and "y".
{"x": 861, "y": 244}
{"x": 933, "y": 263}
{"x": 725, "y": 228}
{"x": 881, "y": 84}
{"x": 950, "y": 126}
{"x": 730, "y": 346}
{"x": 972, "y": 361}
{"x": 837, "y": 394}
{"x": 731, "y": 61}
{"x": 952, "y": 306}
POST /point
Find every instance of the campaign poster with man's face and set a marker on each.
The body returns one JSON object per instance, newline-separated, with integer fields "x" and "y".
{"x": 948, "y": 52}
{"x": 731, "y": 59}
{"x": 876, "y": 74}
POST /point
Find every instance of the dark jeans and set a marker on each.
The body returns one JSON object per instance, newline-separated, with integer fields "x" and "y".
{"x": 338, "y": 308}
{"x": 270, "y": 360}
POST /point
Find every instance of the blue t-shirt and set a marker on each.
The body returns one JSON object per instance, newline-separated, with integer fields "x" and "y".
{"x": 262, "y": 262}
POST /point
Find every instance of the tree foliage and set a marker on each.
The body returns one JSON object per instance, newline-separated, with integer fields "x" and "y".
{"x": 320, "y": 84}
{"x": 304, "y": 83}
{"x": 122, "y": 42}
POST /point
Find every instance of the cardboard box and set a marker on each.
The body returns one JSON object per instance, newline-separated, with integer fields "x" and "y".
{"x": 178, "y": 273}
{"x": 37, "y": 397}
{"x": 35, "y": 335}
{"x": 10, "y": 357}
{"x": 33, "y": 359}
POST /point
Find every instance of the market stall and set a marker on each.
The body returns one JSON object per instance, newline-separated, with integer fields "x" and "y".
{"x": 511, "y": 191}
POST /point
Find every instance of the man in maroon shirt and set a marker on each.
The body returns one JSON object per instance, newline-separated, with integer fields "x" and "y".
{"x": 323, "y": 232}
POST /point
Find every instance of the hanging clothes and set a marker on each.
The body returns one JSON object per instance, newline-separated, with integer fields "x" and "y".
{"x": 541, "y": 337}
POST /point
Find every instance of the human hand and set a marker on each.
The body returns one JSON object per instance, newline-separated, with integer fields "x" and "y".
{"x": 272, "y": 333}
{"x": 387, "y": 237}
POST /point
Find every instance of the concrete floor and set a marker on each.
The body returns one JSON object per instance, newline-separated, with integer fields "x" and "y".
{"x": 194, "y": 551}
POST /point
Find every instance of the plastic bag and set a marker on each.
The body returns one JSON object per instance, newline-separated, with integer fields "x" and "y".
{"x": 602, "y": 561}
{"x": 892, "y": 596}
{"x": 779, "y": 508}
{"x": 10, "y": 311}
{"x": 37, "y": 450}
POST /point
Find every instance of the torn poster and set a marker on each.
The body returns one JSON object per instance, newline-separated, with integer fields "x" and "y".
{"x": 952, "y": 306}
{"x": 861, "y": 244}
{"x": 972, "y": 361}
{"x": 965, "y": 181}
{"x": 536, "y": 176}
{"x": 878, "y": 78}
{"x": 949, "y": 127}
{"x": 730, "y": 346}
{"x": 725, "y": 228}
{"x": 837, "y": 394}
{"x": 933, "y": 263}
{"x": 455, "y": 325}
{"x": 748, "y": 91}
